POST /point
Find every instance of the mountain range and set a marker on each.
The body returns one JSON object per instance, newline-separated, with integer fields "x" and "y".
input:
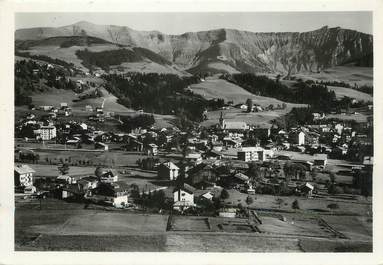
{"x": 219, "y": 50}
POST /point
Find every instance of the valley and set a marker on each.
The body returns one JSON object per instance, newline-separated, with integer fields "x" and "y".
{"x": 213, "y": 141}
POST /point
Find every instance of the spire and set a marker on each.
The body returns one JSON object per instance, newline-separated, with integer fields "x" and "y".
{"x": 221, "y": 121}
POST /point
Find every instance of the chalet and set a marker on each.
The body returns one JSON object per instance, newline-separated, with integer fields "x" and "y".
{"x": 115, "y": 194}
{"x": 339, "y": 128}
{"x": 87, "y": 183}
{"x": 306, "y": 189}
{"x": 64, "y": 112}
{"x": 212, "y": 154}
{"x": 23, "y": 175}
{"x": 297, "y": 137}
{"x": 109, "y": 176}
{"x": 318, "y": 116}
{"x": 261, "y": 132}
{"x": 46, "y": 108}
{"x": 320, "y": 160}
{"x": 30, "y": 190}
{"x": 368, "y": 160}
{"x": 183, "y": 197}
{"x": 103, "y": 146}
{"x": 88, "y": 108}
{"x": 30, "y": 116}
{"x": 84, "y": 126}
{"x": 227, "y": 212}
{"x": 217, "y": 146}
{"x": 194, "y": 158}
{"x": 168, "y": 170}
{"x": 151, "y": 149}
{"x": 73, "y": 192}
{"x": 63, "y": 105}
{"x": 232, "y": 143}
{"x": 202, "y": 176}
{"x": 240, "y": 178}
{"x": 208, "y": 196}
{"x": 134, "y": 145}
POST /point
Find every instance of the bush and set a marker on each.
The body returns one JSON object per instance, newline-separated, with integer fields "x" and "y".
{"x": 224, "y": 194}
{"x": 295, "y": 205}
{"x": 333, "y": 206}
{"x": 249, "y": 200}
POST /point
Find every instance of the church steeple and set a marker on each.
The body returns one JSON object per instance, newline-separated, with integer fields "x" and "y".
{"x": 221, "y": 121}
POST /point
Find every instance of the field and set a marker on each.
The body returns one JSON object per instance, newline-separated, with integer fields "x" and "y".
{"x": 253, "y": 118}
{"x": 311, "y": 206}
{"x": 54, "y": 97}
{"x": 218, "y": 88}
{"x": 66, "y": 226}
{"x": 341, "y": 92}
{"x": 349, "y": 74}
{"x": 145, "y": 180}
{"x": 213, "y": 88}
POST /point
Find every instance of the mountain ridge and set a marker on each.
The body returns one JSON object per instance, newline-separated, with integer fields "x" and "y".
{"x": 243, "y": 51}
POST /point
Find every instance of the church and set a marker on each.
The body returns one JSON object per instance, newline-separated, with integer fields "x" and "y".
{"x": 232, "y": 125}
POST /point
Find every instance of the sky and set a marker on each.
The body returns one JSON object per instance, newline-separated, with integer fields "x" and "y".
{"x": 178, "y": 22}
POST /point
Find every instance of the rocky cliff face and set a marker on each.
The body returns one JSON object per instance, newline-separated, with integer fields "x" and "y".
{"x": 287, "y": 52}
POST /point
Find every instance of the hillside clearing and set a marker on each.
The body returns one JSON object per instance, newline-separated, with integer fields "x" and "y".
{"x": 341, "y": 92}
{"x": 218, "y": 88}
{"x": 348, "y": 74}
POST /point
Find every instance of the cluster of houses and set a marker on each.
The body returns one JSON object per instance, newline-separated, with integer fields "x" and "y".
{"x": 204, "y": 159}
{"x": 105, "y": 188}
{"x": 63, "y": 110}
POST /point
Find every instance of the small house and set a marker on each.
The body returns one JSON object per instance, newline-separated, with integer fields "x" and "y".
{"x": 306, "y": 189}
{"x": 109, "y": 176}
{"x": 151, "y": 149}
{"x": 102, "y": 146}
{"x": 320, "y": 160}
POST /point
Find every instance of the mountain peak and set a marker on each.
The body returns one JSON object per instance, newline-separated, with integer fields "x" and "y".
{"x": 83, "y": 23}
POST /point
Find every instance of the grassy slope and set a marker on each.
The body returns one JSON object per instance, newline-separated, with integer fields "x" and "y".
{"x": 68, "y": 54}
{"x": 349, "y": 92}
{"x": 217, "y": 88}
{"x": 348, "y": 74}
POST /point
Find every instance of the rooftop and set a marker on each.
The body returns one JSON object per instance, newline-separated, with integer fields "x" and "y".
{"x": 24, "y": 169}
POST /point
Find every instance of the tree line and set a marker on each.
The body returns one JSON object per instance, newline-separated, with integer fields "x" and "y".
{"x": 158, "y": 93}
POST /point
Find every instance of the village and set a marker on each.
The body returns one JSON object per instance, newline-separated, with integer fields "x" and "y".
{"x": 228, "y": 177}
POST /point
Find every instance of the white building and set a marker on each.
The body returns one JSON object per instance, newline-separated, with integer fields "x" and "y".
{"x": 47, "y": 133}
{"x": 298, "y": 138}
{"x": 183, "y": 197}
{"x": 251, "y": 154}
{"x": 23, "y": 175}
{"x": 232, "y": 125}
{"x": 84, "y": 126}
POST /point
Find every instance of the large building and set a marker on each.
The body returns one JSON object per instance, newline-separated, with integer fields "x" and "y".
{"x": 23, "y": 175}
{"x": 47, "y": 133}
{"x": 250, "y": 154}
{"x": 232, "y": 125}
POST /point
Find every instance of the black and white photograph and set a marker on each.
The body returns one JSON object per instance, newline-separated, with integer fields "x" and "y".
{"x": 200, "y": 132}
